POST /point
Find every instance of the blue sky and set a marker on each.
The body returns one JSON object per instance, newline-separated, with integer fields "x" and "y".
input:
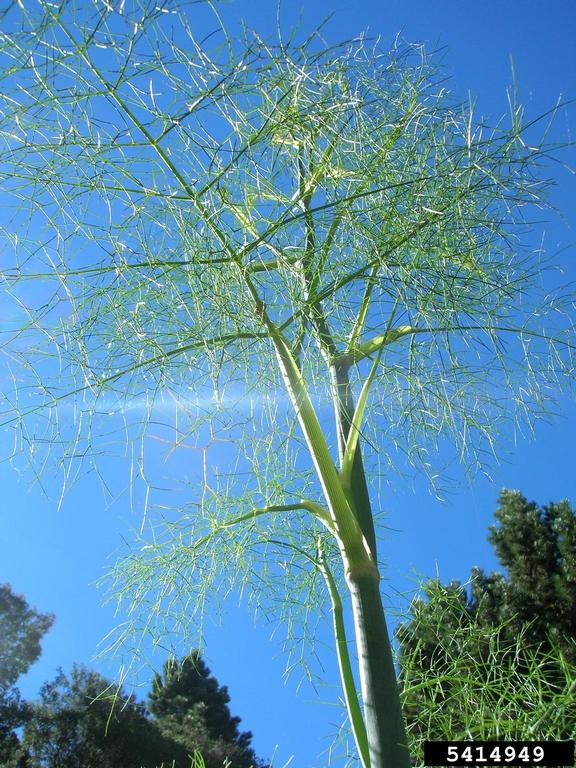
{"x": 53, "y": 556}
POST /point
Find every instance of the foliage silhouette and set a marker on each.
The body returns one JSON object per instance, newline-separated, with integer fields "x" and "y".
{"x": 21, "y": 630}
{"x": 84, "y": 720}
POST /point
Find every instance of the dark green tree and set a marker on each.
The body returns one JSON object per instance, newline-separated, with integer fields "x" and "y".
{"x": 85, "y": 721}
{"x": 191, "y": 707}
{"x": 21, "y": 630}
{"x": 507, "y": 645}
{"x": 13, "y": 714}
{"x": 537, "y": 546}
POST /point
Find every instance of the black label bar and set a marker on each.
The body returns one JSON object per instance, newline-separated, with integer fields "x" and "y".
{"x": 480, "y": 753}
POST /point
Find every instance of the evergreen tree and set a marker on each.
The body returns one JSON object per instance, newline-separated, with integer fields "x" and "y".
{"x": 509, "y": 642}
{"x": 84, "y": 721}
{"x": 191, "y": 707}
{"x": 21, "y": 630}
{"x": 537, "y": 546}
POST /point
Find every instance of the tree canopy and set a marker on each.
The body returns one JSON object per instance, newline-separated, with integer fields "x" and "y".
{"x": 21, "y": 630}
{"x": 214, "y": 238}
{"x": 84, "y": 720}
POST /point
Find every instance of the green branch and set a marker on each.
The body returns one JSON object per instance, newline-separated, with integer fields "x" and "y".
{"x": 377, "y": 343}
{"x": 373, "y": 345}
{"x": 356, "y": 422}
{"x": 344, "y": 663}
{"x": 306, "y": 504}
{"x": 346, "y": 528}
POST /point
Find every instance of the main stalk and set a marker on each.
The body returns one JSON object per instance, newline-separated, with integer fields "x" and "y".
{"x": 387, "y": 742}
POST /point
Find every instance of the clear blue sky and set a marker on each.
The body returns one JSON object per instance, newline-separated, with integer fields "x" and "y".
{"x": 53, "y": 557}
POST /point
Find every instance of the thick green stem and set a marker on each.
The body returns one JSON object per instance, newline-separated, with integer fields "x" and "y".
{"x": 387, "y": 742}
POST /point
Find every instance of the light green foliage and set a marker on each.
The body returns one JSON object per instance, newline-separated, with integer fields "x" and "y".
{"x": 498, "y": 661}
{"x": 509, "y": 692}
{"x": 225, "y": 239}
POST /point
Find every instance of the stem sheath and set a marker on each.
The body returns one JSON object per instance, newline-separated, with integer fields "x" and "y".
{"x": 387, "y": 742}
